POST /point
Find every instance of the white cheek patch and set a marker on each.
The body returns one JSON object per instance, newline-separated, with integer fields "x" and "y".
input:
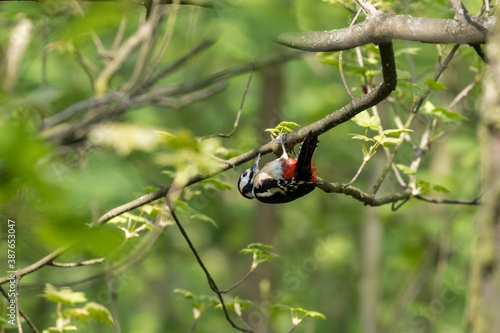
{"x": 271, "y": 192}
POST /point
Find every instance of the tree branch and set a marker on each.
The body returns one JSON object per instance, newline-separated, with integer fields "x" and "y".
{"x": 384, "y": 28}
{"x": 40, "y": 263}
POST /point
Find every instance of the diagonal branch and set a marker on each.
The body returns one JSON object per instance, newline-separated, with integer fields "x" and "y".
{"x": 40, "y": 263}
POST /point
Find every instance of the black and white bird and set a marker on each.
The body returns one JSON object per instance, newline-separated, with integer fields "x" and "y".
{"x": 283, "y": 179}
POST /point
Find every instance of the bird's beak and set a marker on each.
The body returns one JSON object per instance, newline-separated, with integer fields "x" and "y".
{"x": 255, "y": 166}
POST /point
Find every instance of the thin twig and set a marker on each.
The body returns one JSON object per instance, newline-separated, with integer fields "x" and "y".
{"x": 21, "y": 312}
{"x": 473, "y": 202}
{"x": 365, "y": 160}
{"x": 211, "y": 282}
{"x": 463, "y": 93}
{"x": 40, "y": 263}
{"x": 174, "y": 66}
{"x": 77, "y": 264}
{"x": 342, "y": 76}
{"x": 368, "y": 9}
{"x": 16, "y": 296}
{"x": 341, "y": 53}
{"x": 246, "y": 276}
{"x": 236, "y": 122}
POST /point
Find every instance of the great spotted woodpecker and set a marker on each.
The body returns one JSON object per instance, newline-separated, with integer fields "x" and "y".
{"x": 284, "y": 179}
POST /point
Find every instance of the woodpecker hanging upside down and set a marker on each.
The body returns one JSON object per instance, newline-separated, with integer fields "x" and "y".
{"x": 284, "y": 179}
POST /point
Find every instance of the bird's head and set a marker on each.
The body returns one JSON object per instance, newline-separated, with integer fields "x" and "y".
{"x": 245, "y": 183}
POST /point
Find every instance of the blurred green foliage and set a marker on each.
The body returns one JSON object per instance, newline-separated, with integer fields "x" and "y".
{"x": 54, "y": 193}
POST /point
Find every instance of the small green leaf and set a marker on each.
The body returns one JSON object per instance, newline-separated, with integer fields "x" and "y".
{"x": 185, "y": 293}
{"x": 236, "y": 304}
{"x": 64, "y": 295}
{"x": 204, "y": 218}
{"x": 435, "y": 85}
{"x": 424, "y": 186}
{"x": 362, "y": 137}
{"x": 406, "y": 84}
{"x": 446, "y": 114}
{"x": 405, "y": 169}
{"x": 386, "y": 141}
{"x": 283, "y": 127}
{"x": 99, "y": 312}
{"x": 363, "y": 119}
{"x": 440, "y": 188}
{"x": 397, "y": 131}
{"x": 359, "y": 70}
{"x": 260, "y": 253}
{"x": 329, "y": 60}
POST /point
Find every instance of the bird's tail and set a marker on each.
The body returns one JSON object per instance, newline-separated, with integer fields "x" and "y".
{"x": 305, "y": 171}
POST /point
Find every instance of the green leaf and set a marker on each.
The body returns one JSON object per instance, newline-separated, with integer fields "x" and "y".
{"x": 385, "y": 140}
{"x": 440, "y": 188}
{"x": 362, "y": 137}
{"x": 407, "y": 84}
{"x": 99, "y": 312}
{"x": 329, "y": 59}
{"x": 126, "y": 217}
{"x": 91, "y": 310}
{"x": 446, "y": 114}
{"x": 424, "y": 186}
{"x": 64, "y": 295}
{"x": 363, "y": 119}
{"x": 435, "y": 85}
{"x": 200, "y": 302}
{"x": 283, "y": 127}
{"x": 64, "y": 328}
{"x": 236, "y": 304}
{"x": 405, "y": 169}
{"x": 304, "y": 312}
{"x": 359, "y": 70}
{"x": 397, "y": 131}
{"x": 260, "y": 253}
{"x": 204, "y": 218}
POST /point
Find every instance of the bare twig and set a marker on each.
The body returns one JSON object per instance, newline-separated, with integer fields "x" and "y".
{"x": 174, "y": 66}
{"x": 77, "y": 264}
{"x": 365, "y": 160}
{"x": 21, "y": 312}
{"x": 211, "y": 282}
{"x": 16, "y": 296}
{"x": 463, "y": 93}
{"x": 236, "y": 122}
{"x": 341, "y": 68}
{"x": 122, "y": 54}
{"x": 368, "y": 9}
{"x": 473, "y": 202}
{"x": 40, "y": 263}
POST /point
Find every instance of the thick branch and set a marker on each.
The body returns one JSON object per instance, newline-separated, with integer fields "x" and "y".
{"x": 384, "y": 28}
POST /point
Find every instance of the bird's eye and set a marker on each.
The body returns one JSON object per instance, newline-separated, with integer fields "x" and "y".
{"x": 244, "y": 174}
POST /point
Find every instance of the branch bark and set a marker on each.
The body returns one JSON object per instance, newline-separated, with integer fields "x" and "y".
{"x": 384, "y": 28}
